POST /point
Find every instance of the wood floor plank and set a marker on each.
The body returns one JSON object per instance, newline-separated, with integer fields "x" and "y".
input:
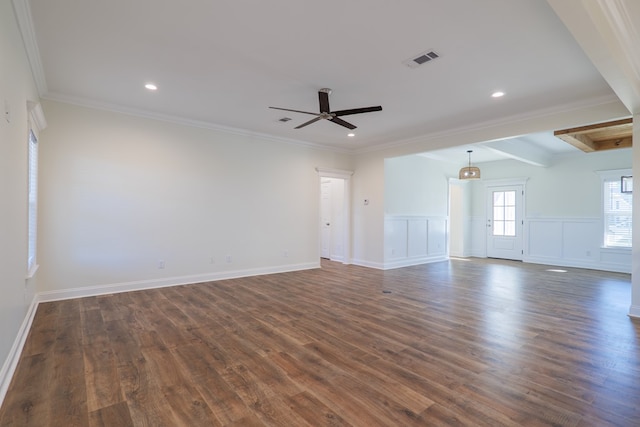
{"x": 102, "y": 379}
{"x": 474, "y": 343}
{"x": 110, "y": 416}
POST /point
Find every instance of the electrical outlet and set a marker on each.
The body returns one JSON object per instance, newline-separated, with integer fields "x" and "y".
{"x": 228, "y": 259}
{"x": 212, "y": 260}
{"x": 161, "y": 264}
{"x": 285, "y": 254}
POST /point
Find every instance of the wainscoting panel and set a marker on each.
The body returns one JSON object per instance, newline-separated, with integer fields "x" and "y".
{"x": 437, "y": 237}
{"x": 412, "y": 240}
{"x": 572, "y": 242}
{"x": 545, "y": 239}
{"x": 395, "y": 239}
{"x": 417, "y": 237}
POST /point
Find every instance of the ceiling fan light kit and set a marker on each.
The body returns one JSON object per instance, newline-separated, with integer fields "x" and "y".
{"x": 469, "y": 172}
{"x": 326, "y": 113}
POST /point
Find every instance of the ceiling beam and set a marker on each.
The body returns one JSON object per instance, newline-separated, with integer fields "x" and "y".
{"x": 520, "y": 150}
{"x": 600, "y": 136}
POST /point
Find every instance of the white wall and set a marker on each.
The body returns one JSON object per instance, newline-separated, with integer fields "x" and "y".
{"x": 368, "y": 219}
{"x": 16, "y": 293}
{"x": 459, "y": 218}
{"x": 120, "y": 193}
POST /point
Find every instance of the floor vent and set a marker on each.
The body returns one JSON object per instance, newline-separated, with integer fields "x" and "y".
{"x": 420, "y": 59}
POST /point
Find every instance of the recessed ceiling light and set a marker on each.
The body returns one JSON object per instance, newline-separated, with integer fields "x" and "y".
{"x": 351, "y": 135}
{"x": 556, "y": 270}
{"x": 497, "y": 94}
{"x": 151, "y": 86}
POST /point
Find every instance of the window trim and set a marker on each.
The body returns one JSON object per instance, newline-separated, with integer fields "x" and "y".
{"x": 608, "y": 176}
{"x": 32, "y": 206}
{"x": 36, "y": 123}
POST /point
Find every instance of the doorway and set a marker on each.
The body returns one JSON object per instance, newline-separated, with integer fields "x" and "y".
{"x": 332, "y": 218}
{"x": 505, "y": 222}
{"x": 334, "y": 215}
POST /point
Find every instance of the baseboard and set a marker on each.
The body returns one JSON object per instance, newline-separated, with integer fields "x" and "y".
{"x": 408, "y": 262}
{"x": 559, "y": 262}
{"x": 90, "y": 291}
{"x": 11, "y": 362}
{"x": 634, "y": 311}
{"x": 369, "y": 264}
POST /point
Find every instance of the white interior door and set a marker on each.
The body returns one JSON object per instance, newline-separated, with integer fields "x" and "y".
{"x": 325, "y": 218}
{"x": 505, "y": 222}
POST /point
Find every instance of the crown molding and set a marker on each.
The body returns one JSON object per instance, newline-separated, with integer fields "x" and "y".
{"x": 531, "y": 115}
{"x": 146, "y": 114}
{"x": 22, "y": 11}
{"x": 626, "y": 33}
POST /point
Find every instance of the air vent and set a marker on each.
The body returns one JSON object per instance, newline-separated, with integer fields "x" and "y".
{"x": 420, "y": 59}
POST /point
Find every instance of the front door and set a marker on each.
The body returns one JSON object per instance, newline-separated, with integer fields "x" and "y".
{"x": 505, "y": 222}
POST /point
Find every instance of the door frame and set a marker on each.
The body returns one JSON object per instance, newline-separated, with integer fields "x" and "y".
{"x": 346, "y": 213}
{"x": 488, "y": 184}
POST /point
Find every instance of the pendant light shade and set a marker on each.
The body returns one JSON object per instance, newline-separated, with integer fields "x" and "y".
{"x": 469, "y": 172}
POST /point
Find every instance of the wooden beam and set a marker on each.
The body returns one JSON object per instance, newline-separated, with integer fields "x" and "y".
{"x": 611, "y": 144}
{"x": 581, "y": 142}
{"x": 600, "y": 136}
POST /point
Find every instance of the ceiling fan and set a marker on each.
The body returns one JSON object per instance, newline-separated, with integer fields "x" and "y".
{"x": 327, "y": 114}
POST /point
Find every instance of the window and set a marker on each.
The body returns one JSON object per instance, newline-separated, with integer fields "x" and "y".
{"x": 33, "y": 205}
{"x": 616, "y": 210}
{"x": 504, "y": 213}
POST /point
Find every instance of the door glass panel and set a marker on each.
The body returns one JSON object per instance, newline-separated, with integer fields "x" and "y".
{"x": 504, "y": 213}
{"x": 510, "y": 213}
{"x": 510, "y": 228}
{"x": 510, "y": 198}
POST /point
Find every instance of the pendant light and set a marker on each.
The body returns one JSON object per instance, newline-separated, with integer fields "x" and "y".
{"x": 469, "y": 172}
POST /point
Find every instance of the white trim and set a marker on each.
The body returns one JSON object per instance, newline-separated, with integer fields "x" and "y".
{"x": 37, "y": 121}
{"x": 32, "y": 271}
{"x": 22, "y": 11}
{"x": 368, "y": 264}
{"x": 634, "y": 311}
{"x": 625, "y": 30}
{"x": 506, "y": 182}
{"x": 408, "y": 262}
{"x": 610, "y": 175}
{"x": 11, "y": 362}
{"x": 531, "y": 115}
{"x": 90, "y": 291}
{"x": 613, "y": 173}
{"x": 346, "y": 213}
{"x": 185, "y": 121}
{"x": 334, "y": 173}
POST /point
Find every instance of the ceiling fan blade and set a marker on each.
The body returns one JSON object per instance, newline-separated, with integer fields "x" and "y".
{"x": 295, "y": 111}
{"x": 308, "y": 123}
{"x": 342, "y": 123}
{"x": 323, "y": 98}
{"x": 356, "y": 111}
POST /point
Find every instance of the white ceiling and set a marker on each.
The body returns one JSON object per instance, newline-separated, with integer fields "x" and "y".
{"x": 223, "y": 63}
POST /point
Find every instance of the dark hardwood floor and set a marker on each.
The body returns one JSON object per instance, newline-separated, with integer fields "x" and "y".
{"x": 475, "y": 343}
